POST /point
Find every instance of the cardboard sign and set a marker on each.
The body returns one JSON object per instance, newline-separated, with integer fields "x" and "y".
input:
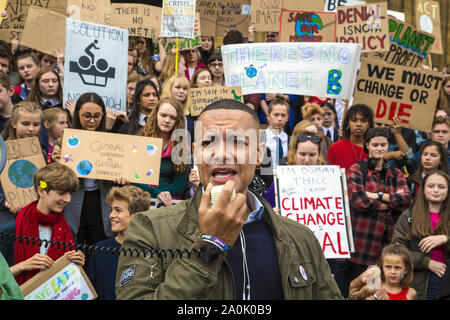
{"x": 332, "y": 5}
{"x": 310, "y": 68}
{"x": 141, "y": 20}
{"x": 392, "y": 91}
{"x": 202, "y": 97}
{"x": 314, "y": 196}
{"x": 183, "y": 43}
{"x": 63, "y": 281}
{"x": 24, "y": 158}
{"x": 95, "y": 11}
{"x": 3, "y": 4}
{"x": 307, "y": 26}
{"x": 178, "y": 19}
{"x": 428, "y": 19}
{"x": 218, "y": 15}
{"x": 366, "y": 25}
{"x": 96, "y": 60}
{"x": 17, "y": 11}
{"x": 44, "y": 30}
{"x": 101, "y": 155}
{"x": 408, "y": 47}
{"x": 266, "y": 13}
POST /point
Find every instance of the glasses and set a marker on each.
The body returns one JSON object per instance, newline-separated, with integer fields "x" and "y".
{"x": 305, "y": 137}
{"x": 95, "y": 116}
{"x": 216, "y": 65}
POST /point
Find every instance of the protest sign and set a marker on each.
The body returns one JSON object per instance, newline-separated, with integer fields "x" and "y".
{"x": 307, "y": 26}
{"x": 218, "y": 15}
{"x": 428, "y": 19}
{"x": 314, "y": 197}
{"x": 265, "y": 14}
{"x": 141, "y": 20}
{"x": 183, "y": 43}
{"x": 24, "y": 157}
{"x": 64, "y": 280}
{"x": 44, "y": 30}
{"x": 101, "y": 155}
{"x": 201, "y": 97}
{"x": 178, "y": 19}
{"x": 17, "y": 11}
{"x": 366, "y": 25}
{"x": 392, "y": 91}
{"x": 96, "y": 61}
{"x": 332, "y": 5}
{"x": 408, "y": 47}
{"x": 309, "y": 68}
{"x": 95, "y": 11}
{"x": 3, "y": 4}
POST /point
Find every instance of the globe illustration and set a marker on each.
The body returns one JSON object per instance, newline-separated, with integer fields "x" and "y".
{"x": 21, "y": 172}
{"x": 251, "y": 71}
{"x": 151, "y": 149}
{"x": 73, "y": 141}
{"x": 84, "y": 167}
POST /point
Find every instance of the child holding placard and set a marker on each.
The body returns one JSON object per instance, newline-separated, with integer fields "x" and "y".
{"x": 43, "y": 219}
{"x": 54, "y": 121}
{"x": 25, "y": 122}
{"x": 396, "y": 268}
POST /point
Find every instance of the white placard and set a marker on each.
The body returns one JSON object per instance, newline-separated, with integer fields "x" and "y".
{"x": 314, "y": 196}
{"x": 96, "y": 61}
{"x": 67, "y": 284}
{"x": 325, "y": 69}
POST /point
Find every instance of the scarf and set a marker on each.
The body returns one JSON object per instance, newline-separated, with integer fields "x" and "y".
{"x": 27, "y": 224}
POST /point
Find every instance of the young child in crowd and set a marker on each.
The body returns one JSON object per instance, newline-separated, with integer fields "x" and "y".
{"x": 124, "y": 203}
{"x": 54, "y": 121}
{"x": 44, "y": 219}
{"x": 25, "y": 122}
{"x": 397, "y": 273}
{"x": 28, "y": 67}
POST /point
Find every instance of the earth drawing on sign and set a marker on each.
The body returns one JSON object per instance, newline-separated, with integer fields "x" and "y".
{"x": 20, "y": 173}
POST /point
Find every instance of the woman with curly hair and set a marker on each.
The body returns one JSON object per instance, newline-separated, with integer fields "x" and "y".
{"x": 165, "y": 118}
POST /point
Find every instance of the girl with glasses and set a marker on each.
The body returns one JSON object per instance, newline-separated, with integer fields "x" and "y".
{"x": 88, "y": 213}
{"x": 25, "y": 122}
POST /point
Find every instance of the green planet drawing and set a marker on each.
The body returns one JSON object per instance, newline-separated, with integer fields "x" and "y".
{"x": 84, "y": 167}
{"x": 20, "y": 173}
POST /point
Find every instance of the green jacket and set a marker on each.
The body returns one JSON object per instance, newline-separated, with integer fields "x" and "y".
{"x": 186, "y": 278}
{"x": 420, "y": 259}
{"x": 9, "y": 289}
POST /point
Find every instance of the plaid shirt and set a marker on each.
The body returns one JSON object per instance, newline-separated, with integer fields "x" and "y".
{"x": 368, "y": 221}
